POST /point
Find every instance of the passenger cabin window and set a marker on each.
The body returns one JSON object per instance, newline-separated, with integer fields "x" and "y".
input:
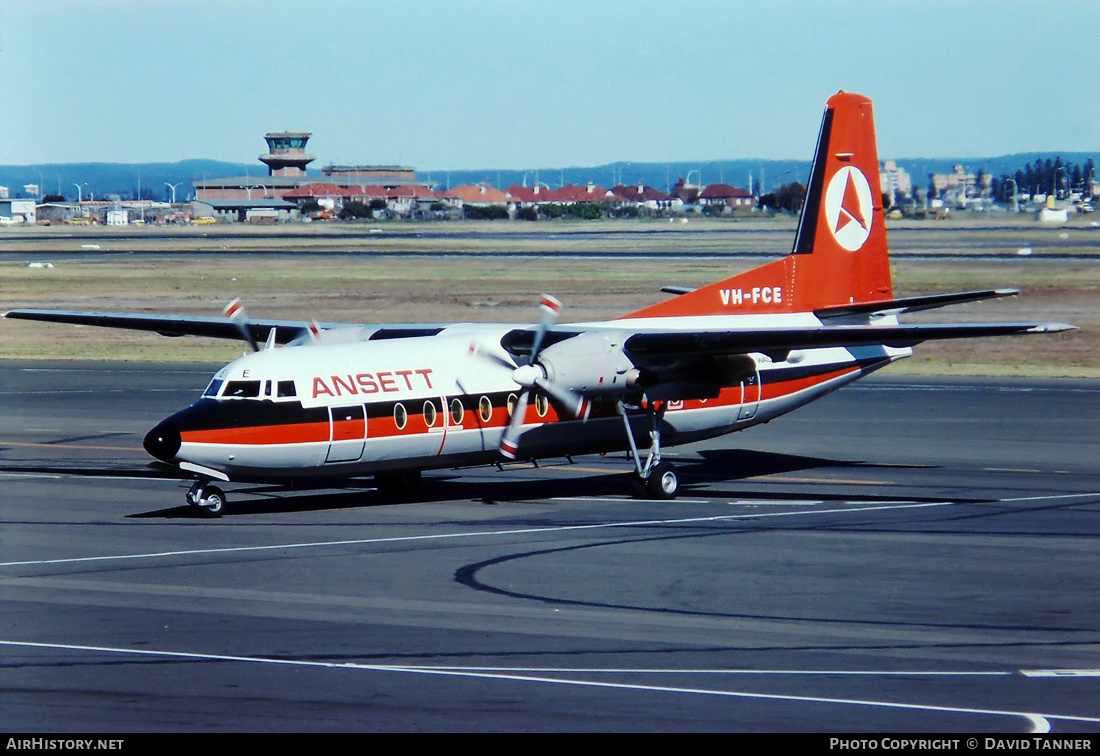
{"x": 242, "y": 389}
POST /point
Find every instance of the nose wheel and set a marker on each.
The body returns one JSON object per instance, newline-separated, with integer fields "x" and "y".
{"x": 209, "y": 500}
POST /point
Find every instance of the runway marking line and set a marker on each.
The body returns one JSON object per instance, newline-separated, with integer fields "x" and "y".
{"x": 473, "y": 534}
{"x": 779, "y": 477}
{"x": 1040, "y": 722}
{"x": 63, "y": 445}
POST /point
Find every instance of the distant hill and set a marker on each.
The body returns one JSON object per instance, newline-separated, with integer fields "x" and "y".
{"x": 124, "y": 179}
{"x": 774, "y": 173}
{"x": 658, "y": 175}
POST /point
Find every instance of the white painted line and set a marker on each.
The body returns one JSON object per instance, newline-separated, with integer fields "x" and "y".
{"x": 1039, "y": 721}
{"x": 1060, "y": 672}
{"x": 469, "y": 534}
{"x": 773, "y": 503}
{"x": 1057, "y": 496}
{"x": 624, "y": 499}
{"x": 762, "y": 672}
{"x": 65, "y": 476}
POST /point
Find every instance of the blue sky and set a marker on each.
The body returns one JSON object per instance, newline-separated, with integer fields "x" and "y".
{"x": 454, "y": 84}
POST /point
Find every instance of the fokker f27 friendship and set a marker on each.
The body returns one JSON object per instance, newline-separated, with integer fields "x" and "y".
{"x": 345, "y": 400}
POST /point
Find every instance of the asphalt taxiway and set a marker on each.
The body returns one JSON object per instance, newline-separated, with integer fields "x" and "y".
{"x": 905, "y": 555}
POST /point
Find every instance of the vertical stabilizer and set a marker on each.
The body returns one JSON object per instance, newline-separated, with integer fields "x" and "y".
{"x": 839, "y": 255}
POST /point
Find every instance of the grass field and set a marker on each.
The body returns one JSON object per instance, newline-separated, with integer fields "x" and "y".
{"x": 333, "y": 275}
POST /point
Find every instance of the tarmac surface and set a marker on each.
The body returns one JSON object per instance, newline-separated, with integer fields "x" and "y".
{"x": 906, "y": 555}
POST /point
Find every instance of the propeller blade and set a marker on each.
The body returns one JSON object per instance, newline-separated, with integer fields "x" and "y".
{"x": 509, "y": 440}
{"x": 477, "y": 350}
{"x": 549, "y": 309}
{"x": 575, "y": 404}
{"x": 236, "y": 313}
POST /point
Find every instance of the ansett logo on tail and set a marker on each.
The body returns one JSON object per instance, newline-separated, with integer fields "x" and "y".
{"x": 849, "y": 208}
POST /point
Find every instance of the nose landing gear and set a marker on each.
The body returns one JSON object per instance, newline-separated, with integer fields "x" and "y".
{"x": 209, "y": 500}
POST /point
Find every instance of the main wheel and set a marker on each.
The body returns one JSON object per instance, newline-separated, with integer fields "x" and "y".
{"x": 213, "y": 501}
{"x": 663, "y": 482}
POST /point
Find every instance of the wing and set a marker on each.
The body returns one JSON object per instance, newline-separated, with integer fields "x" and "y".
{"x": 172, "y": 325}
{"x": 779, "y": 341}
{"x": 253, "y": 330}
{"x": 650, "y": 346}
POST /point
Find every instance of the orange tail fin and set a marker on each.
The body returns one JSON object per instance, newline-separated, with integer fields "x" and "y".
{"x": 839, "y": 254}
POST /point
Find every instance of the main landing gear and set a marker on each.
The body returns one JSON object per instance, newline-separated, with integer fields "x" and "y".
{"x": 654, "y": 478}
{"x": 209, "y": 500}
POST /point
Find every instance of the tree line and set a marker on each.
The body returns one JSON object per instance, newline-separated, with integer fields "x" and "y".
{"x": 1057, "y": 177}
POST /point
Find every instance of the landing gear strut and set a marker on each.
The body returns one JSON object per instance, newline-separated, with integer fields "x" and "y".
{"x": 654, "y": 478}
{"x": 209, "y": 500}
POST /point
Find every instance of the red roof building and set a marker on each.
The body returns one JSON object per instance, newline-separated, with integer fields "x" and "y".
{"x": 528, "y": 195}
{"x": 641, "y": 194}
{"x": 715, "y": 194}
{"x": 572, "y": 193}
{"x": 481, "y": 194}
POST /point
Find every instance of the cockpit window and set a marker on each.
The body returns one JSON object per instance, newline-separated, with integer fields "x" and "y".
{"x": 286, "y": 388}
{"x": 212, "y": 389}
{"x": 242, "y": 389}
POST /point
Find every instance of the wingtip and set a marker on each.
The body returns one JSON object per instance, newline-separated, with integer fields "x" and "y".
{"x": 1054, "y": 327}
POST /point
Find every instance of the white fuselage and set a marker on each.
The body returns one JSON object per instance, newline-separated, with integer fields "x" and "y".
{"x": 362, "y": 407}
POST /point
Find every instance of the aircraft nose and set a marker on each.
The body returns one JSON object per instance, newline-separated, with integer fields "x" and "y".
{"x": 163, "y": 441}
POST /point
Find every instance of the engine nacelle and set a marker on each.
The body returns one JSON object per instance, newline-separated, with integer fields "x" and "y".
{"x": 590, "y": 364}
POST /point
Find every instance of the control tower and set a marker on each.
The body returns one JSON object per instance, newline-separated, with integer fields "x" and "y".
{"x": 286, "y": 153}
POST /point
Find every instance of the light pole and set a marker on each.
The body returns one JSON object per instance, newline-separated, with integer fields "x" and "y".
{"x": 1015, "y": 201}
{"x": 1054, "y": 188}
{"x": 173, "y": 188}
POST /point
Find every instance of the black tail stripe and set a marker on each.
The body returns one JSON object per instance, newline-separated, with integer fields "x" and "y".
{"x": 807, "y": 223}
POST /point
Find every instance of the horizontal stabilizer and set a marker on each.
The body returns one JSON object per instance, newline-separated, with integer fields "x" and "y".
{"x": 911, "y": 304}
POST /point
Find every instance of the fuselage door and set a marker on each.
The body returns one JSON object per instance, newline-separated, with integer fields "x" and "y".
{"x": 750, "y": 396}
{"x": 348, "y": 433}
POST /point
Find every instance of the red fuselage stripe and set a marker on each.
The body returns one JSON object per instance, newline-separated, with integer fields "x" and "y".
{"x": 385, "y": 426}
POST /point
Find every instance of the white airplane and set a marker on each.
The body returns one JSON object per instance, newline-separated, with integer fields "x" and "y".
{"x": 339, "y": 401}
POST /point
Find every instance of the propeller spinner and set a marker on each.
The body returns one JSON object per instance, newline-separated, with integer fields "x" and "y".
{"x": 531, "y": 376}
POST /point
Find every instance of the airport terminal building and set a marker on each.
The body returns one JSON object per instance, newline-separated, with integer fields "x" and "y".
{"x": 265, "y": 197}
